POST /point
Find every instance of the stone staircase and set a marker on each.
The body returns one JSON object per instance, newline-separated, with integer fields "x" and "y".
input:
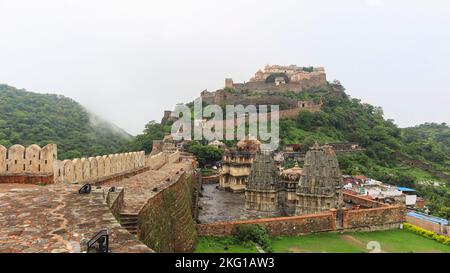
{"x": 129, "y": 222}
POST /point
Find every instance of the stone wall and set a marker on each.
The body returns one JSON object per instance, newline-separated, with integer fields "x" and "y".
{"x": 30, "y": 160}
{"x": 212, "y": 179}
{"x": 281, "y": 226}
{"x": 422, "y": 165}
{"x": 174, "y": 157}
{"x": 435, "y": 227}
{"x": 115, "y": 201}
{"x": 155, "y": 162}
{"x": 226, "y": 97}
{"x": 166, "y": 222}
{"x": 36, "y": 165}
{"x": 374, "y": 219}
{"x": 381, "y": 218}
{"x": 93, "y": 168}
{"x": 362, "y": 201}
{"x": 36, "y": 179}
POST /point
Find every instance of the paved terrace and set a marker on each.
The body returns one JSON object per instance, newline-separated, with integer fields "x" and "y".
{"x": 140, "y": 188}
{"x": 222, "y": 206}
{"x": 57, "y": 219}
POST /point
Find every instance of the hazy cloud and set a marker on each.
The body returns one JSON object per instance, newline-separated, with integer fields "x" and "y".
{"x": 127, "y": 61}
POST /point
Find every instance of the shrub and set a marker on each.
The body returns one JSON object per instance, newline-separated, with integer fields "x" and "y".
{"x": 253, "y": 233}
{"x": 428, "y": 234}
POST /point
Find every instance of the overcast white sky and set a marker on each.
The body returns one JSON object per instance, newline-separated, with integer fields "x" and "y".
{"x": 129, "y": 60}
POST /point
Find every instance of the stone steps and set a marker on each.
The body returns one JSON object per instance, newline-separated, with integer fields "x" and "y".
{"x": 129, "y": 221}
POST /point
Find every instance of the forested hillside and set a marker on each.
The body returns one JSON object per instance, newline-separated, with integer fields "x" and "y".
{"x": 346, "y": 119}
{"x": 27, "y": 118}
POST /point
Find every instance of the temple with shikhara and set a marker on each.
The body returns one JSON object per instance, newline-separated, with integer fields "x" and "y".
{"x": 261, "y": 192}
{"x": 295, "y": 191}
{"x": 320, "y": 185}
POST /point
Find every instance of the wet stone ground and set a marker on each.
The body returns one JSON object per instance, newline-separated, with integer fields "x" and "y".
{"x": 56, "y": 218}
{"x": 221, "y": 206}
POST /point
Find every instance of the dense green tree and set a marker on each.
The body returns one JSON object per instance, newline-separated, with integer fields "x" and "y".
{"x": 144, "y": 141}
{"x": 27, "y": 118}
{"x": 205, "y": 154}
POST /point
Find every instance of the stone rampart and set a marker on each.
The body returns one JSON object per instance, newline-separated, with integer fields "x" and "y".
{"x": 374, "y": 219}
{"x": 380, "y": 218}
{"x": 31, "y": 160}
{"x": 94, "y": 168}
{"x": 165, "y": 222}
{"x": 280, "y": 226}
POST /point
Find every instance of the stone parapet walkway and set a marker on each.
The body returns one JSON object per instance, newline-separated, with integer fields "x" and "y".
{"x": 56, "y": 219}
{"x": 140, "y": 188}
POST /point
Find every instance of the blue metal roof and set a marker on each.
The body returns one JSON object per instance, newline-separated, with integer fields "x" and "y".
{"x": 428, "y": 218}
{"x": 405, "y": 189}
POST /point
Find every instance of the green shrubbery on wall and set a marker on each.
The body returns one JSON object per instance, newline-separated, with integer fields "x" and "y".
{"x": 428, "y": 234}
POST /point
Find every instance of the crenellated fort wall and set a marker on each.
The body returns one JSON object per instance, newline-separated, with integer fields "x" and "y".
{"x": 93, "y": 168}
{"x": 28, "y": 165}
{"x": 36, "y": 165}
{"x": 32, "y": 159}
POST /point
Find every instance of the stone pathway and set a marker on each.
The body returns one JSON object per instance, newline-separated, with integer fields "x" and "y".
{"x": 56, "y": 218}
{"x": 141, "y": 187}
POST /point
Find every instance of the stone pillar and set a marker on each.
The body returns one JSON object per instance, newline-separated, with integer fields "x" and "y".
{"x": 345, "y": 217}
{"x": 333, "y": 218}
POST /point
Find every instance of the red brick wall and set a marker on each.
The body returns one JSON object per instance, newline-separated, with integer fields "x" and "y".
{"x": 368, "y": 218}
{"x": 295, "y": 225}
{"x": 45, "y": 179}
{"x": 436, "y": 228}
{"x": 362, "y": 200}
{"x": 363, "y": 219}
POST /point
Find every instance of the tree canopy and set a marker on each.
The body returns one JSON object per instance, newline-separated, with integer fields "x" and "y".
{"x": 31, "y": 118}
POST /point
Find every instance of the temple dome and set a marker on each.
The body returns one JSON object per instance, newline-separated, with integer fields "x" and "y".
{"x": 292, "y": 174}
{"x": 249, "y": 143}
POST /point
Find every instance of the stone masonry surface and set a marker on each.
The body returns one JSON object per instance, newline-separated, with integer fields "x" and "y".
{"x": 56, "y": 218}
{"x": 140, "y": 188}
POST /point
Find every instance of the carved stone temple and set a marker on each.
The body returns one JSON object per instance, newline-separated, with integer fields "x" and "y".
{"x": 320, "y": 185}
{"x": 263, "y": 184}
{"x": 295, "y": 191}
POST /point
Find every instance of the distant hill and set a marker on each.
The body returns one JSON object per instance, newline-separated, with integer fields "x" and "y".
{"x": 431, "y": 141}
{"x": 27, "y": 118}
{"x": 414, "y": 157}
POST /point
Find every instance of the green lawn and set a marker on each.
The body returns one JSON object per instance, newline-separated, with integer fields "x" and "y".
{"x": 351, "y": 242}
{"x": 222, "y": 245}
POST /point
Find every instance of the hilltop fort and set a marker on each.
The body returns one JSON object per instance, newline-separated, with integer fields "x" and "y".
{"x": 271, "y": 81}
{"x": 269, "y": 86}
{"x": 282, "y": 78}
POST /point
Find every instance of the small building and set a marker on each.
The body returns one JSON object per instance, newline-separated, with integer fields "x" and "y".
{"x": 410, "y": 195}
{"x": 218, "y": 144}
{"x": 236, "y": 165}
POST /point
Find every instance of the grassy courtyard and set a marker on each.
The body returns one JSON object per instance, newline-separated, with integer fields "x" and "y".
{"x": 353, "y": 242}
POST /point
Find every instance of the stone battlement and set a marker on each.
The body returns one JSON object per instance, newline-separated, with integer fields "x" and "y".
{"x": 31, "y": 160}
{"x": 282, "y": 78}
